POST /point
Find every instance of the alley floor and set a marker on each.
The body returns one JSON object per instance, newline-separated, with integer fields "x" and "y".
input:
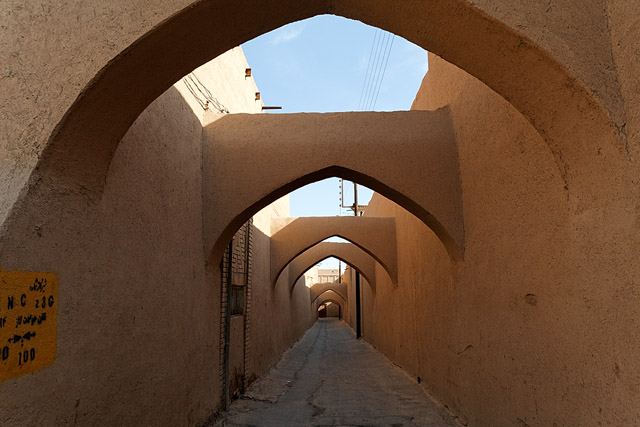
{"x": 329, "y": 378}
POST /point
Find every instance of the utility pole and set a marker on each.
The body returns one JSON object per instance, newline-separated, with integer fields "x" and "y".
{"x": 358, "y": 319}
{"x": 356, "y": 212}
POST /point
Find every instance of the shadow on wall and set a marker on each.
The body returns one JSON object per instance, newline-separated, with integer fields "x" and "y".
{"x": 349, "y": 253}
{"x": 128, "y": 262}
{"x": 330, "y": 309}
{"x": 377, "y": 144}
{"x": 277, "y": 317}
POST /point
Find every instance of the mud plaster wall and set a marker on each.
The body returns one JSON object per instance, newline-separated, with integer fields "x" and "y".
{"x": 318, "y": 289}
{"x": 349, "y": 277}
{"x": 624, "y": 23}
{"x": 236, "y": 354}
{"x": 587, "y": 278}
{"x": 416, "y": 335}
{"x": 52, "y": 52}
{"x": 278, "y": 318}
{"x": 135, "y": 323}
{"x": 538, "y": 325}
{"x": 225, "y": 79}
{"x": 333, "y": 310}
{"x": 138, "y": 323}
{"x": 578, "y": 32}
{"x": 350, "y": 312}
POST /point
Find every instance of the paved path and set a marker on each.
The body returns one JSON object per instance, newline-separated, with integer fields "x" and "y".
{"x": 331, "y": 379}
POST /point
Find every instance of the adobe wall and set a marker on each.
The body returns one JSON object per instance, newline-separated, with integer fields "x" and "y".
{"x": 545, "y": 316}
{"x": 224, "y": 78}
{"x": 333, "y": 310}
{"x": 139, "y": 314}
{"x": 278, "y": 317}
{"x": 578, "y": 32}
{"x": 538, "y": 324}
{"x": 414, "y": 324}
{"x": 624, "y": 23}
{"x": 137, "y": 321}
{"x": 348, "y": 277}
{"x": 54, "y": 54}
{"x": 558, "y": 268}
{"x": 349, "y": 312}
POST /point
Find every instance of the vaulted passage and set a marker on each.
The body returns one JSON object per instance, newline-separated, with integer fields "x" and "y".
{"x": 153, "y": 272}
{"x": 365, "y": 147}
{"x": 330, "y": 378}
{"x": 346, "y": 252}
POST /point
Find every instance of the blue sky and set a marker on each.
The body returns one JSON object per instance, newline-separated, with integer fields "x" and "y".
{"x": 320, "y": 65}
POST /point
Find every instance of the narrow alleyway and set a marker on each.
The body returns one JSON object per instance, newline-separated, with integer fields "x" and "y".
{"x": 329, "y": 378}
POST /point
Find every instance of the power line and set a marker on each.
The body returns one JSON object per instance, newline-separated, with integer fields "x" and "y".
{"x": 376, "y": 69}
{"x": 373, "y": 73}
{"x": 371, "y": 66}
{"x": 383, "y": 51}
{"x": 383, "y": 72}
{"x": 204, "y": 98}
{"x": 375, "y": 34}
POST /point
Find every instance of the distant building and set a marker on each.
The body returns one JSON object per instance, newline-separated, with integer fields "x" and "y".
{"x": 327, "y": 275}
{"x": 311, "y": 276}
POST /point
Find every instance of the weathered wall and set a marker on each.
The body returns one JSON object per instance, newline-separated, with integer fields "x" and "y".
{"x": 333, "y": 310}
{"x": 135, "y": 321}
{"x": 224, "y": 78}
{"x": 538, "y": 324}
{"x": 279, "y": 318}
{"x": 350, "y": 313}
{"x": 54, "y": 54}
{"x": 139, "y": 315}
{"x": 578, "y": 32}
{"x": 236, "y": 355}
{"x": 624, "y": 23}
{"x": 545, "y": 303}
{"x": 349, "y": 278}
{"x": 421, "y": 335}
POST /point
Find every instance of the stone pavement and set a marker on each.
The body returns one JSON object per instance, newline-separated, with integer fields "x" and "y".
{"x": 331, "y": 379}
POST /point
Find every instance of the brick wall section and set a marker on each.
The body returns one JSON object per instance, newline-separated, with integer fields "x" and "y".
{"x": 240, "y": 276}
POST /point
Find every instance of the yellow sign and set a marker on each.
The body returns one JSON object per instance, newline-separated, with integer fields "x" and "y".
{"x": 28, "y": 321}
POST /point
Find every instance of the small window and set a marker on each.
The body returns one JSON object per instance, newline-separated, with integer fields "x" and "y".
{"x": 237, "y": 300}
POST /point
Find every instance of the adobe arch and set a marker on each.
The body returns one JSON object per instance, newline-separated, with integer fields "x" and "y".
{"x": 409, "y": 157}
{"x": 346, "y": 252}
{"x": 290, "y": 237}
{"x": 75, "y": 158}
{"x": 330, "y": 295}
{"x": 564, "y": 111}
{"x": 320, "y": 288}
{"x": 326, "y": 304}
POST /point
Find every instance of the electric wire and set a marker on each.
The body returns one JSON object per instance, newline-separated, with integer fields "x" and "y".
{"x": 373, "y": 68}
{"x": 376, "y": 69}
{"x": 374, "y": 76}
{"x": 205, "y": 98}
{"x": 366, "y": 76}
{"x": 373, "y": 107}
{"x": 375, "y": 84}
